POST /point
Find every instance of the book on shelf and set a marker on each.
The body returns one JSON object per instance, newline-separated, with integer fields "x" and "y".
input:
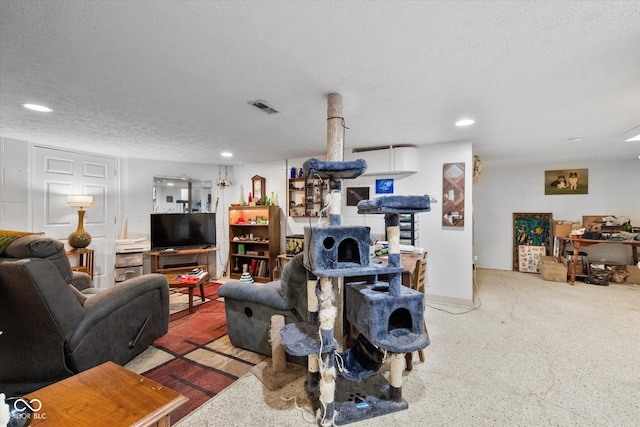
{"x": 253, "y": 266}
{"x": 263, "y": 270}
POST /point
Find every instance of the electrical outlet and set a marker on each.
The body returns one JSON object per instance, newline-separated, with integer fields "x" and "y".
{"x": 475, "y": 258}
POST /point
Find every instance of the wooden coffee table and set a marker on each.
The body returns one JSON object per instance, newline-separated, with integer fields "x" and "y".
{"x": 107, "y": 395}
{"x": 174, "y": 283}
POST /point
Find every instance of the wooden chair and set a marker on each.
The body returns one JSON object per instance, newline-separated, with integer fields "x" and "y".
{"x": 419, "y": 277}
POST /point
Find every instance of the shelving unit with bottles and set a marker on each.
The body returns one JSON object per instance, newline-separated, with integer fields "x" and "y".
{"x": 306, "y": 197}
{"x": 254, "y": 240}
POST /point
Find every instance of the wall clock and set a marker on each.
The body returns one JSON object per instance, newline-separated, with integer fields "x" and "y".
{"x": 258, "y": 188}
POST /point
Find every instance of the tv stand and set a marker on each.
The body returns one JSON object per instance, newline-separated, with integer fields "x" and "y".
{"x": 191, "y": 258}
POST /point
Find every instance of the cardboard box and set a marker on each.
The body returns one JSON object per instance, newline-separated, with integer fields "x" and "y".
{"x": 634, "y": 275}
{"x": 562, "y": 228}
{"x": 553, "y": 269}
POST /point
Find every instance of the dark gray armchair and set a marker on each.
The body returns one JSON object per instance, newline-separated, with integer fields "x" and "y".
{"x": 51, "y": 329}
{"x": 249, "y": 307}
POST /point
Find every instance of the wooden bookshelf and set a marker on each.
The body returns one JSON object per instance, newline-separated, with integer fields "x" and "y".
{"x": 254, "y": 240}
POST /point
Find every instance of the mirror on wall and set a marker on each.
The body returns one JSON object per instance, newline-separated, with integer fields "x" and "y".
{"x": 181, "y": 194}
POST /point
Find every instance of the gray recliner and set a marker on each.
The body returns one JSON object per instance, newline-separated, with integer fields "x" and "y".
{"x": 51, "y": 330}
{"x": 249, "y": 307}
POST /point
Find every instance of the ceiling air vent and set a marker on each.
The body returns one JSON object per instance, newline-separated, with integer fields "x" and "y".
{"x": 263, "y": 106}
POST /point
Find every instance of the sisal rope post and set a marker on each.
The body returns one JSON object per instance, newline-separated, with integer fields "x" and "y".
{"x": 278, "y": 354}
{"x": 396, "y": 367}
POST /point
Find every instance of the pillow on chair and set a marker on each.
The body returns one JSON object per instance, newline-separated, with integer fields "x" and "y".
{"x": 40, "y": 246}
{"x": 293, "y": 284}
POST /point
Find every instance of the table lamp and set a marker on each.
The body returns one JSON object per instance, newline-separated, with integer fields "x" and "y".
{"x": 80, "y": 238}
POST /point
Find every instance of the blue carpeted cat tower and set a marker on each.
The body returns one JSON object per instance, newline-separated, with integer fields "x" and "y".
{"x": 347, "y": 386}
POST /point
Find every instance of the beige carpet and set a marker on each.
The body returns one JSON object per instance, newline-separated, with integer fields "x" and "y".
{"x": 535, "y": 353}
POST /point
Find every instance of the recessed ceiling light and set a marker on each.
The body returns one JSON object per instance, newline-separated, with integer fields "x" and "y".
{"x": 575, "y": 139}
{"x": 633, "y": 139}
{"x": 465, "y": 122}
{"x": 226, "y": 154}
{"x": 36, "y": 107}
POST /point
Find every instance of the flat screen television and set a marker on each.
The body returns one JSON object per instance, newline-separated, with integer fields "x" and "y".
{"x": 183, "y": 230}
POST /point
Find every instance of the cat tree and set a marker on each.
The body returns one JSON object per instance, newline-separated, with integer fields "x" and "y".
{"x": 347, "y": 387}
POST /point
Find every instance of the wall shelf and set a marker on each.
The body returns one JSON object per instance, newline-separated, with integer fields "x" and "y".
{"x": 305, "y": 197}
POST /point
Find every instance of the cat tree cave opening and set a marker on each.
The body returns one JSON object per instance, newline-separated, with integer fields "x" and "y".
{"x": 400, "y": 319}
{"x": 349, "y": 252}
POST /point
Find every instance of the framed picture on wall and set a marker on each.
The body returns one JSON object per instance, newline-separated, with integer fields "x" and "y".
{"x": 567, "y": 181}
{"x": 531, "y": 229}
{"x": 384, "y": 186}
{"x": 453, "y": 194}
{"x": 355, "y": 194}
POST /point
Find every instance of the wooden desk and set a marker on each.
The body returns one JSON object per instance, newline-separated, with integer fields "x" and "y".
{"x": 408, "y": 262}
{"x": 107, "y": 395}
{"x": 578, "y": 243}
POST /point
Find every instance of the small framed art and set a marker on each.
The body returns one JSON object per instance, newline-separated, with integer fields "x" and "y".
{"x": 355, "y": 194}
{"x": 384, "y": 186}
{"x": 568, "y": 181}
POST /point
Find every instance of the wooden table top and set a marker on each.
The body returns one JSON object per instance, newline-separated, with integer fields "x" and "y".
{"x": 105, "y": 395}
{"x": 587, "y": 242}
{"x": 173, "y": 280}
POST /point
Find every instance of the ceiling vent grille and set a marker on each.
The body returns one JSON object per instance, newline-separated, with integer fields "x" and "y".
{"x": 263, "y": 106}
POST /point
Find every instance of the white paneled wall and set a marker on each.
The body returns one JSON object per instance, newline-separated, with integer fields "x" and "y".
{"x": 14, "y": 185}
{"x": 502, "y": 190}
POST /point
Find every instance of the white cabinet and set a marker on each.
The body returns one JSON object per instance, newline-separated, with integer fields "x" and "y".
{"x": 129, "y": 258}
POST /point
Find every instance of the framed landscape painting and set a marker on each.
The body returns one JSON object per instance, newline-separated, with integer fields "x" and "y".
{"x": 568, "y": 181}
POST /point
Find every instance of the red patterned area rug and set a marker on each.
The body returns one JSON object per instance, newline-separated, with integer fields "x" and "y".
{"x": 200, "y": 361}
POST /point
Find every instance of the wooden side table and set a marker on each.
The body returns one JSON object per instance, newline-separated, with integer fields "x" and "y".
{"x": 85, "y": 260}
{"x": 174, "y": 282}
{"x": 107, "y": 395}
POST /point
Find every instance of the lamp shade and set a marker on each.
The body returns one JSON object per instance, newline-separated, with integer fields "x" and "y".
{"x": 80, "y": 201}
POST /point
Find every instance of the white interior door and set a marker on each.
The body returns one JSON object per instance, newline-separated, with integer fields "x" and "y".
{"x": 58, "y": 174}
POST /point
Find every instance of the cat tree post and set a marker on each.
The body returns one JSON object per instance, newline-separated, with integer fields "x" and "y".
{"x": 330, "y": 314}
{"x": 335, "y": 141}
{"x": 313, "y": 366}
{"x": 392, "y": 224}
{"x": 397, "y": 360}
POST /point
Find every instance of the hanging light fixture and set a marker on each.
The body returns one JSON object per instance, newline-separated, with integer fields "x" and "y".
{"x": 80, "y": 238}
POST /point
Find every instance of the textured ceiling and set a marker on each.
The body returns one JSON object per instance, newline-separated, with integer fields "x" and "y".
{"x": 170, "y": 80}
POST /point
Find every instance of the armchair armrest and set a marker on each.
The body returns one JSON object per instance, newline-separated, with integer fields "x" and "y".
{"x": 103, "y": 307}
{"x": 81, "y": 281}
{"x": 266, "y": 294}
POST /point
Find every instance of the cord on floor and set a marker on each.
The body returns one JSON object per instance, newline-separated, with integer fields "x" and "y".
{"x": 476, "y": 293}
